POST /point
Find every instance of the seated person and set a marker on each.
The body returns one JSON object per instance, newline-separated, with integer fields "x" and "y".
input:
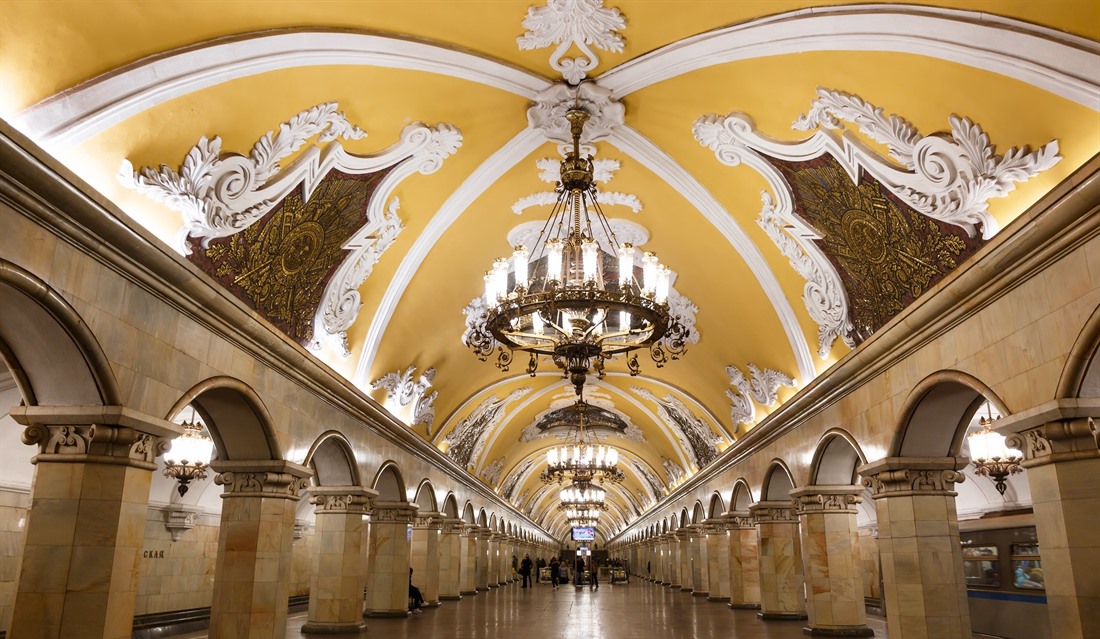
{"x": 416, "y": 600}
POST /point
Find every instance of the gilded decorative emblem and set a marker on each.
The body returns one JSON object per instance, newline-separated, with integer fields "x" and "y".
{"x": 281, "y": 265}
{"x": 887, "y": 254}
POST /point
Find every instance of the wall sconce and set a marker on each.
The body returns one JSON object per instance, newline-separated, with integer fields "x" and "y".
{"x": 190, "y": 454}
{"x": 989, "y": 454}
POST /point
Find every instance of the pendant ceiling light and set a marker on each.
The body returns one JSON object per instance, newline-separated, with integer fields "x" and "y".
{"x": 584, "y": 460}
{"x": 578, "y": 296}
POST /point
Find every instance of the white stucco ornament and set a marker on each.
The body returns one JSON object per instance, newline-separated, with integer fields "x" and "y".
{"x": 760, "y": 385}
{"x": 569, "y": 23}
{"x": 547, "y": 114}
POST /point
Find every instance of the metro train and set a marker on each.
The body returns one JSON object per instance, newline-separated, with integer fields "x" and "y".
{"x": 1004, "y": 577}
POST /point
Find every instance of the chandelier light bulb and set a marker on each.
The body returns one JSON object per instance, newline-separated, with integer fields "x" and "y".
{"x": 663, "y": 276}
{"x": 519, "y": 265}
{"x": 589, "y": 254}
{"x": 537, "y": 323}
{"x": 500, "y": 277}
{"x": 490, "y": 290}
{"x": 649, "y": 273}
{"x": 554, "y": 250}
{"x": 626, "y": 264}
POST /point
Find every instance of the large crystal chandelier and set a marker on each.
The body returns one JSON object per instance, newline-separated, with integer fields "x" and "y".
{"x": 583, "y": 497}
{"x": 573, "y": 512}
{"x": 990, "y": 455}
{"x": 584, "y": 461}
{"x": 576, "y": 295}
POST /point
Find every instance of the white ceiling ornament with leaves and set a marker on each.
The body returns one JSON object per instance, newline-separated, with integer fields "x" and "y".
{"x": 406, "y": 388}
{"x": 463, "y": 442}
{"x": 760, "y": 385}
{"x": 573, "y": 23}
{"x": 696, "y": 436}
{"x": 949, "y": 180}
{"x": 221, "y": 194}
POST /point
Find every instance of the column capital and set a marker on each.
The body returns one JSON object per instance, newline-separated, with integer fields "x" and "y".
{"x": 451, "y": 526}
{"x": 774, "y": 512}
{"x": 907, "y": 476}
{"x": 469, "y": 530}
{"x": 428, "y": 521}
{"x": 738, "y": 519}
{"x": 682, "y": 534}
{"x": 266, "y": 478}
{"x": 397, "y": 512}
{"x": 483, "y": 532}
{"x": 714, "y": 526}
{"x": 827, "y": 499}
{"x": 95, "y": 434}
{"x": 1062, "y": 440}
{"x": 342, "y": 500}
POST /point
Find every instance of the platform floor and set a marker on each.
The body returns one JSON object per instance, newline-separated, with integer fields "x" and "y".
{"x": 637, "y": 610}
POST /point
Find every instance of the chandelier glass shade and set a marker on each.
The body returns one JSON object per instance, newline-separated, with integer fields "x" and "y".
{"x": 990, "y": 456}
{"x": 572, "y": 512}
{"x": 189, "y": 456}
{"x": 577, "y": 295}
{"x": 583, "y": 497}
{"x": 583, "y": 461}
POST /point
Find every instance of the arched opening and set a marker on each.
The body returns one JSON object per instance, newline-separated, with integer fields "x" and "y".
{"x": 698, "y": 515}
{"x": 389, "y": 484}
{"x": 468, "y": 513}
{"x": 717, "y": 507}
{"x": 450, "y": 507}
{"x": 1081, "y": 375}
{"x": 425, "y": 497}
{"x": 836, "y": 459}
{"x": 741, "y": 497}
{"x": 937, "y": 415}
{"x": 332, "y": 461}
{"x": 235, "y": 416}
{"x": 778, "y": 482}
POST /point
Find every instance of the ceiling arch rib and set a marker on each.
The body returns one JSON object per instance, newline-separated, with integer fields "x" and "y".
{"x": 88, "y": 109}
{"x": 1052, "y": 60}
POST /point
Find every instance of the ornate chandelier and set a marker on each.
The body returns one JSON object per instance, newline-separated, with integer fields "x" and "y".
{"x": 583, "y": 497}
{"x": 576, "y": 296}
{"x": 584, "y": 461}
{"x": 572, "y": 512}
{"x": 989, "y": 454}
{"x": 189, "y": 456}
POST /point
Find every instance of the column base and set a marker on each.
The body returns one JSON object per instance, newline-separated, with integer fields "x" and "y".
{"x": 718, "y": 599}
{"x": 467, "y": 593}
{"x": 386, "y": 613}
{"x": 453, "y": 597}
{"x": 674, "y": 586}
{"x": 700, "y": 593}
{"x": 744, "y": 606}
{"x": 782, "y": 616}
{"x": 432, "y": 604}
{"x": 491, "y": 586}
{"x": 685, "y": 589}
{"x": 323, "y": 628}
{"x": 844, "y": 631}
{"x": 665, "y": 583}
{"x": 483, "y": 588}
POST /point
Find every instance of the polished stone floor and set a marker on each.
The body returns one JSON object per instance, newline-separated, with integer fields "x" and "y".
{"x": 638, "y": 610}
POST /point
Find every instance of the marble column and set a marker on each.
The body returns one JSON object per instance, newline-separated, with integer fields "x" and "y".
{"x": 252, "y": 571}
{"x": 673, "y": 561}
{"x": 659, "y": 559}
{"x": 86, "y": 524}
{"x": 1062, "y": 465}
{"x": 685, "y": 537}
{"x": 504, "y": 568}
{"x": 338, "y": 572}
{"x": 831, "y": 560}
{"x": 467, "y": 576}
{"x": 781, "y": 588}
{"x": 744, "y": 557}
{"x": 492, "y": 575}
{"x": 918, "y": 539}
{"x": 483, "y": 566}
{"x": 450, "y": 560}
{"x": 390, "y": 555}
{"x": 700, "y": 575}
{"x": 425, "y": 555}
{"x": 718, "y": 560}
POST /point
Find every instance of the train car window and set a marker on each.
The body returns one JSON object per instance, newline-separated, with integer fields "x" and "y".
{"x": 981, "y": 567}
{"x": 1027, "y": 567}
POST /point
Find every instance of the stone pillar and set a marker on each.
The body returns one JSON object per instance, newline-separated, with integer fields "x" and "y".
{"x": 831, "y": 560}
{"x": 718, "y": 560}
{"x": 744, "y": 558}
{"x": 673, "y": 561}
{"x": 700, "y": 575}
{"x": 918, "y": 539}
{"x": 338, "y": 572}
{"x": 467, "y": 576}
{"x": 425, "y": 558}
{"x": 483, "y": 567}
{"x": 86, "y": 524}
{"x": 493, "y": 550}
{"x": 450, "y": 560}
{"x": 685, "y": 537}
{"x": 504, "y": 567}
{"x": 659, "y": 560}
{"x": 252, "y": 571}
{"x": 1063, "y": 464}
{"x": 390, "y": 555}
{"x": 781, "y": 589}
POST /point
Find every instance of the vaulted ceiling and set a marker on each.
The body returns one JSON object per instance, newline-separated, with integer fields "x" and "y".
{"x": 780, "y": 286}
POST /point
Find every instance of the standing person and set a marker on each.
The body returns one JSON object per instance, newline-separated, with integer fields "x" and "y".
{"x": 554, "y": 572}
{"x": 578, "y": 571}
{"x": 540, "y": 563}
{"x": 593, "y": 575}
{"x": 563, "y": 573}
{"x": 525, "y": 568}
{"x": 515, "y": 565}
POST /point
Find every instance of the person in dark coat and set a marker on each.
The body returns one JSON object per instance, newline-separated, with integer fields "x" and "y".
{"x": 554, "y": 572}
{"x": 525, "y": 568}
{"x": 578, "y": 571}
{"x": 593, "y": 576}
{"x": 416, "y": 599}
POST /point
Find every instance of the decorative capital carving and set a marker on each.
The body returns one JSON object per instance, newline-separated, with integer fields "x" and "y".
{"x": 263, "y": 479}
{"x": 1063, "y": 440}
{"x": 396, "y": 512}
{"x": 774, "y": 512}
{"x": 452, "y": 526}
{"x": 907, "y": 476}
{"x": 96, "y": 434}
{"x": 827, "y": 499}
{"x": 342, "y": 500}
{"x": 715, "y": 526}
{"x": 428, "y": 520}
{"x": 739, "y": 519}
